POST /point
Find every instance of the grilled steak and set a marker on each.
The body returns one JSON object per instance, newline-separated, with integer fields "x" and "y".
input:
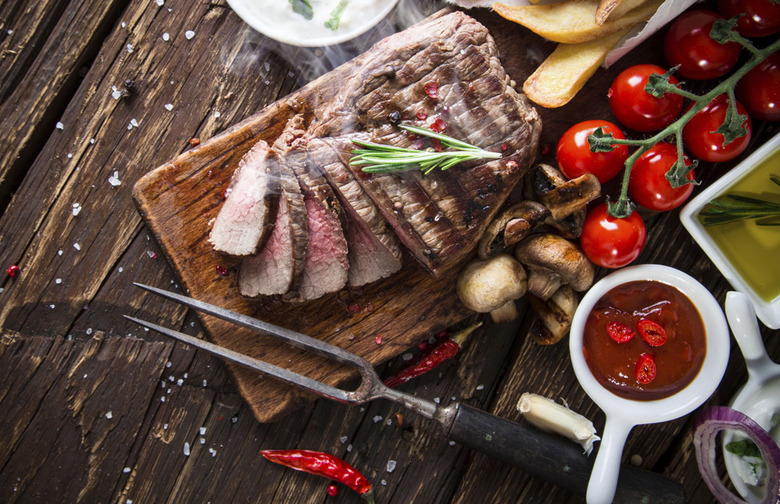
{"x": 374, "y": 250}
{"x": 287, "y": 244}
{"x": 444, "y": 74}
{"x": 246, "y": 218}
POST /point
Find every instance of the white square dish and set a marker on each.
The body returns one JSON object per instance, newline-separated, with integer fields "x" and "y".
{"x": 768, "y": 155}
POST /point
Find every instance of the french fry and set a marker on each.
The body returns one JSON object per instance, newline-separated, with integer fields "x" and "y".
{"x": 606, "y": 7}
{"x": 567, "y": 69}
{"x": 574, "y": 21}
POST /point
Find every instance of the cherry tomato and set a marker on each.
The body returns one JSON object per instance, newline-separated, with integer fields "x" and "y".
{"x": 637, "y": 109}
{"x": 689, "y": 45}
{"x": 648, "y": 185}
{"x": 575, "y": 157}
{"x": 699, "y": 135}
{"x": 619, "y": 332}
{"x": 759, "y": 89}
{"x": 645, "y": 369}
{"x": 651, "y": 332}
{"x": 611, "y": 242}
{"x": 757, "y": 18}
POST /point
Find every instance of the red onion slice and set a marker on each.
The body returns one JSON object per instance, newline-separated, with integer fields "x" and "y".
{"x": 709, "y": 423}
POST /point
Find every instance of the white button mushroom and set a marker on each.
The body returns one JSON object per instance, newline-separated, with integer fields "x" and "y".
{"x": 553, "y": 261}
{"x": 492, "y": 285}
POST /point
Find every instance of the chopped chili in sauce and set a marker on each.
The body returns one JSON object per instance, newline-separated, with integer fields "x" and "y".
{"x": 644, "y": 368}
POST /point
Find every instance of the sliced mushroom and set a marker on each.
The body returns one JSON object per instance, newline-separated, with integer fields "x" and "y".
{"x": 553, "y": 317}
{"x": 561, "y": 196}
{"x": 492, "y": 285}
{"x": 511, "y": 226}
{"x": 553, "y": 261}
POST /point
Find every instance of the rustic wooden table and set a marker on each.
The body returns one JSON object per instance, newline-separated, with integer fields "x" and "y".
{"x": 93, "y": 95}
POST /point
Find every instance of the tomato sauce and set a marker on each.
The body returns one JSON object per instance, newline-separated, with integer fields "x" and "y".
{"x": 677, "y": 360}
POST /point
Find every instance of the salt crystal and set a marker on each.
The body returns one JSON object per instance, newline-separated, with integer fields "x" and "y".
{"x": 480, "y": 387}
{"x": 114, "y": 179}
{"x": 407, "y": 356}
{"x": 165, "y": 426}
{"x": 205, "y": 383}
{"x": 60, "y": 126}
{"x": 189, "y": 34}
{"x": 128, "y": 501}
{"x": 213, "y": 452}
{"x": 51, "y": 306}
{"x": 234, "y": 419}
{"x": 168, "y": 364}
{"x": 202, "y": 431}
{"x": 70, "y": 156}
{"x": 150, "y": 254}
{"x": 171, "y": 378}
{"x": 202, "y": 440}
{"x": 160, "y": 2}
{"x": 391, "y": 465}
{"x": 217, "y": 114}
{"x": 126, "y": 470}
{"x": 377, "y": 419}
{"x": 163, "y": 384}
{"x": 121, "y": 269}
{"x": 76, "y": 209}
{"x": 10, "y": 32}
{"x": 186, "y": 449}
{"x": 169, "y": 106}
{"x": 437, "y": 400}
{"x": 91, "y": 141}
{"x": 58, "y": 281}
{"x": 1, "y": 289}
{"x": 109, "y": 415}
{"x": 85, "y": 375}
{"x": 343, "y": 439}
{"x": 89, "y": 330}
{"x": 59, "y": 252}
{"x": 185, "y": 374}
{"x": 166, "y": 36}
{"x": 130, "y": 48}
{"x": 452, "y": 443}
{"x": 162, "y": 399}
{"x": 116, "y": 94}
{"x": 267, "y": 66}
{"x": 179, "y": 382}
{"x": 384, "y": 482}
{"x": 349, "y": 447}
{"x": 123, "y": 24}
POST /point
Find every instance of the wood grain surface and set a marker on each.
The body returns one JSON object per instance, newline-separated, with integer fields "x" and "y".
{"x": 94, "y": 409}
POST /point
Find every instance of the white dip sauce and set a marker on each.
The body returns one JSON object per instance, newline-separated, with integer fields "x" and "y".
{"x": 278, "y": 20}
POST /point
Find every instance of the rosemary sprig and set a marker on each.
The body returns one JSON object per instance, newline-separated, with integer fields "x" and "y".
{"x": 378, "y": 158}
{"x": 722, "y": 31}
{"x": 736, "y": 207}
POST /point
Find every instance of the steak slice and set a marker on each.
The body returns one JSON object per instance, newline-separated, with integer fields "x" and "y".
{"x": 374, "y": 250}
{"x": 326, "y": 266}
{"x": 286, "y": 247}
{"x": 245, "y": 220}
{"x": 445, "y": 74}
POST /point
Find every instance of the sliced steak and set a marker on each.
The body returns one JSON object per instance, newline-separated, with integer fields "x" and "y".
{"x": 374, "y": 250}
{"x": 326, "y": 266}
{"x": 287, "y": 245}
{"x": 245, "y": 220}
{"x": 441, "y": 216}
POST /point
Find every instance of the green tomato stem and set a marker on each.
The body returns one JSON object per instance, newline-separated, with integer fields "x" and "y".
{"x": 679, "y": 172}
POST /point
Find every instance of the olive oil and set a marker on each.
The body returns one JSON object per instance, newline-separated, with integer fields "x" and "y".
{"x": 753, "y": 250}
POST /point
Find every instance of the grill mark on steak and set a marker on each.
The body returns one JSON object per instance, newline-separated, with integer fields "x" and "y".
{"x": 245, "y": 220}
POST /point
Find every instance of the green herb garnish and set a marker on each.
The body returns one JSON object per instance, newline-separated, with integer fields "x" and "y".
{"x": 736, "y": 207}
{"x": 302, "y": 7}
{"x": 377, "y": 158}
{"x": 744, "y": 448}
{"x": 335, "y": 15}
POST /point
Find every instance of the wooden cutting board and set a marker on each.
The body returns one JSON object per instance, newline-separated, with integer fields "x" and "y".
{"x": 377, "y": 322}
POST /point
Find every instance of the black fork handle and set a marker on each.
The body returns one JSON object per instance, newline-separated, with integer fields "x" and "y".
{"x": 554, "y": 458}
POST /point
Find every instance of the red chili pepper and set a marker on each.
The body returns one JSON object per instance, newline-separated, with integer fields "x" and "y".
{"x": 13, "y": 270}
{"x": 333, "y": 490}
{"x": 194, "y": 141}
{"x": 652, "y": 332}
{"x": 645, "y": 369}
{"x": 619, "y": 332}
{"x": 443, "y": 349}
{"x": 323, "y": 464}
{"x": 439, "y": 125}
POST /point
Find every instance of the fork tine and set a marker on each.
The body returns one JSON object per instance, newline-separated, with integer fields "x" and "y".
{"x": 282, "y": 374}
{"x": 294, "y": 338}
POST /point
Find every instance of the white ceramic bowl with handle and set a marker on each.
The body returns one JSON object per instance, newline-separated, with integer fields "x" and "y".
{"x": 623, "y": 414}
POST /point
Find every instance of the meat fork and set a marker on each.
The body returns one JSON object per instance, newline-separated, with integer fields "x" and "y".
{"x": 536, "y": 452}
